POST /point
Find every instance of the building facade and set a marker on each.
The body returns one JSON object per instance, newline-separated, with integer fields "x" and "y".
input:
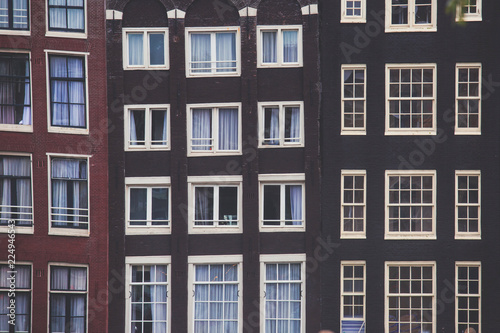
{"x": 214, "y": 198}
{"x": 53, "y": 167}
{"x": 409, "y": 138}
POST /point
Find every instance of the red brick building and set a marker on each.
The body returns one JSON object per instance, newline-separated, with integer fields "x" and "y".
{"x": 53, "y": 165}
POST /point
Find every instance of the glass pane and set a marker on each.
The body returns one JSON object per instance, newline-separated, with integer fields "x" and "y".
{"x": 138, "y": 204}
{"x": 160, "y": 204}
{"x": 135, "y": 49}
{"x": 159, "y": 127}
{"x": 157, "y": 49}
{"x": 272, "y": 202}
{"x": 228, "y": 205}
{"x": 269, "y": 47}
{"x": 204, "y": 204}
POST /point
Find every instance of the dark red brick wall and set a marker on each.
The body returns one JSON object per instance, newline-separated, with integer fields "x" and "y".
{"x": 40, "y": 248}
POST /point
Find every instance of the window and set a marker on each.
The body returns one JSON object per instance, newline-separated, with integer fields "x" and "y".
{"x": 353, "y": 99}
{"x": 69, "y": 195}
{"x": 410, "y": 204}
{"x": 279, "y": 46}
{"x": 68, "y": 107}
{"x": 21, "y": 297}
{"x": 214, "y": 129}
{"x": 66, "y": 15}
{"x": 148, "y": 205}
{"x": 215, "y": 204}
{"x": 411, "y": 99}
{"x": 410, "y": 303}
{"x": 410, "y": 15}
{"x": 147, "y": 301}
{"x": 353, "y": 209}
{"x": 216, "y": 302}
{"x": 468, "y": 204}
{"x": 147, "y": 127}
{"x": 282, "y": 202}
{"x": 145, "y": 48}
{"x": 353, "y": 294}
{"x": 283, "y": 293}
{"x": 213, "y": 51}
{"x": 68, "y": 299}
{"x": 281, "y": 124}
{"x": 353, "y": 11}
{"x": 471, "y": 11}
{"x": 15, "y": 191}
{"x": 468, "y": 94}
{"x": 14, "y": 15}
{"x": 468, "y": 297}
{"x": 15, "y": 92}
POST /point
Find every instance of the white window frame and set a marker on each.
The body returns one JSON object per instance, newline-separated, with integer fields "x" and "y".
{"x": 410, "y": 131}
{"x": 389, "y": 264}
{"x": 86, "y": 293}
{"x": 30, "y": 290}
{"x": 282, "y": 259}
{"x": 214, "y": 181}
{"x": 148, "y": 183}
{"x": 281, "y": 106}
{"x": 60, "y": 129}
{"x": 344, "y": 18}
{"x": 66, "y": 34}
{"x": 406, "y": 235}
{"x": 145, "y": 48}
{"x": 353, "y": 130}
{"x": 353, "y": 293}
{"x": 463, "y": 234}
{"x": 146, "y": 261}
{"x": 411, "y": 26}
{"x": 214, "y": 260}
{"x": 148, "y": 109}
{"x": 20, "y": 32}
{"x": 213, "y": 30}
{"x": 22, "y": 229}
{"x": 279, "y": 45}
{"x": 458, "y": 295}
{"x": 468, "y": 130}
{"x": 68, "y": 231}
{"x": 215, "y": 129}
{"x": 15, "y": 127}
{"x": 352, "y": 234}
{"x": 468, "y": 17}
{"x": 282, "y": 180}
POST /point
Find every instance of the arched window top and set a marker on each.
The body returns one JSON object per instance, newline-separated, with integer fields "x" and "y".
{"x": 202, "y": 13}
{"x": 279, "y": 12}
{"x": 145, "y": 13}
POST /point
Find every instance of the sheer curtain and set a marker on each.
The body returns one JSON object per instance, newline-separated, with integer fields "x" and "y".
{"x": 269, "y": 47}
{"x": 292, "y": 126}
{"x": 137, "y": 127}
{"x": 290, "y": 46}
{"x": 295, "y": 212}
{"x": 135, "y": 49}
{"x": 159, "y": 127}
{"x": 57, "y": 15}
{"x": 27, "y": 101}
{"x": 201, "y": 129}
{"x": 23, "y": 281}
{"x": 159, "y": 297}
{"x": 15, "y": 90}
{"x": 228, "y": 129}
{"x": 16, "y": 167}
{"x": 226, "y": 51}
{"x": 272, "y": 132}
{"x": 200, "y": 53}
{"x": 76, "y": 20}
{"x": 204, "y": 205}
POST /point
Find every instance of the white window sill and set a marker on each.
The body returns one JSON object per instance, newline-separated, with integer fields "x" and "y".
{"x": 142, "y": 230}
{"x": 352, "y": 20}
{"x": 263, "y": 228}
{"x": 467, "y": 131}
{"x": 68, "y": 130}
{"x": 411, "y": 132}
{"x": 298, "y": 145}
{"x": 472, "y": 18}
{"x": 278, "y": 65}
{"x": 410, "y": 29}
{"x": 63, "y": 34}
{"x": 15, "y": 32}
{"x": 468, "y": 236}
{"x": 353, "y": 236}
{"x": 68, "y": 232}
{"x": 214, "y": 153}
{"x": 214, "y": 230}
{"x": 160, "y": 148}
{"x": 205, "y": 75}
{"x": 353, "y": 132}
{"x": 16, "y": 128}
{"x": 17, "y": 229}
{"x": 410, "y": 236}
{"x": 145, "y": 68}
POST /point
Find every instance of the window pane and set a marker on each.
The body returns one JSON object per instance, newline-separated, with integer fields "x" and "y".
{"x": 160, "y": 205}
{"x": 292, "y": 124}
{"x": 272, "y": 202}
{"x": 269, "y": 47}
{"x": 15, "y": 101}
{"x": 290, "y": 46}
{"x": 204, "y": 205}
{"x": 228, "y": 205}
{"x": 200, "y": 53}
{"x": 135, "y": 49}
{"x": 202, "y": 129}
{"x": 157, "y": 49}
{"x": 228, "y": 129}
{"x": 225, "y": 51}
{"x": 138, "y": 205}
{"x": 271, "y": 126}
{"x": 293, "y": 204}
{"x": 159, "y": 127}
{"x": 137, "y": 127}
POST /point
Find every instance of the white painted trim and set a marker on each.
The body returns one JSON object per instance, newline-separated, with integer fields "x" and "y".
{"x": 147, "y": 180}
{"x": 352, "y": 234}
{"x": 352, "y": 130}
{"x": 281, "y": 106}
{"x": 464, "y": 235}
{"x": 277, "y": 258}
{"x": 279, "y": 45}
{"x": 248, "y": 11}
{"x": 411, "y": 26}
{"x": 176, "y": 14}
{"x": 67, "y": 34}
{"x": 211, "y": 31}
{"x": 215, "y": 129}
{"x": 411, "y": 131}
{"x": 146, "y": 48}
{"x": 67, "y": 231}
{"x": 468, "y": 130}
{"x": 411, "y": 235}
{"x": 148, "y": 121}
{"x": 478, "y": 295}
{"x": 112, "y": 14}
{"x": 352, "y": 19}
{"x": 285, "y": 177}
{"x": 148, "y": 261}
{"x": 342, "y": 293}
{"x": 215, "y": 179}
{"x": 59, "y": 129}
{"x": 210, "y": 259}
{"x": 310, "y": 9}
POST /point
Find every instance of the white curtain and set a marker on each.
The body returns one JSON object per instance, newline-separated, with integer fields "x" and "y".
{"x": 269, "y": 47}
{"x": 16, "y": 167}
{"x": 69, "y": 16}
{"x": 201, "y": 129}
{"x": 292, "y": 127}
{"x": 76, "y": 19}
{"x": 137, "y": 127}
{"x": 204, "y": 205}
{"x": 77, "y": 314}
{"x": 159, "y": 127}
{"x": 133, "y": 133}
{"x": 65, "y": 278}
{"x": 135, "y": 49}
{"x": 295, "y": 203}
{"x": 226, "y": 51}
{"x": 200, "y": 53}
{"x": 290, "y": 46}
{"x": 272, "y": 132}
{"x": 57, "y": 15}
{"x": 23, "y": 281}
{"x": 57, "y": 312}
{"x": 228, "y": 129}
